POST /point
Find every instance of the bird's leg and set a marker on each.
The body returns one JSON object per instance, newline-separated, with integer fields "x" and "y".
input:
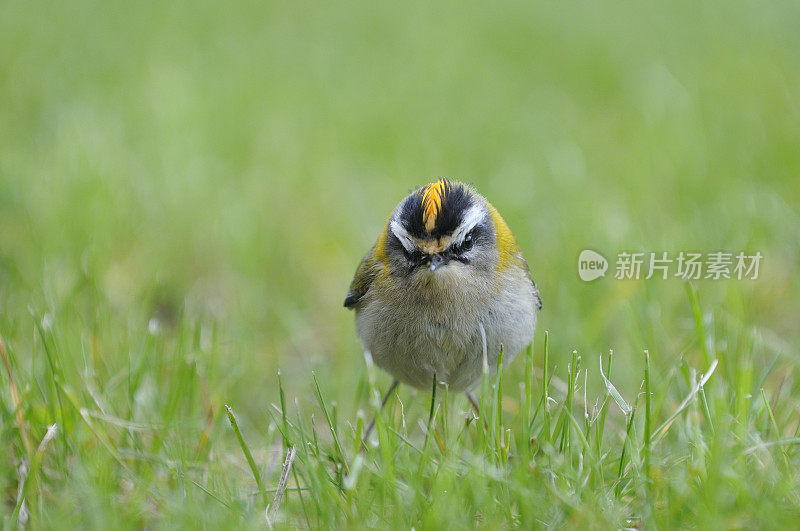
{"x": 474, "y": 402}
{"x": 433, "y": 399}
{"x": 371, "y": 425}
{"x": 430, "y": 414}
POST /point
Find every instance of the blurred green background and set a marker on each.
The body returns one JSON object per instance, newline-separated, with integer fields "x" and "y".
{"x": 222, "y": 168}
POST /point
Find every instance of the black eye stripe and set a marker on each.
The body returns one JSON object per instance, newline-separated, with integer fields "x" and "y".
{"x": 394, "y": 245}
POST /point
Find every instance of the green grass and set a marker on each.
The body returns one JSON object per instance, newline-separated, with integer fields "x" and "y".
{"x": 186, "y": 190}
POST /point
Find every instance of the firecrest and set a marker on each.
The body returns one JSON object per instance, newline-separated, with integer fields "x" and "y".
{"x": 444, "y": 286}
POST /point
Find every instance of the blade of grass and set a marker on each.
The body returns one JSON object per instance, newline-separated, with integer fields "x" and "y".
{"x": 647, "y": 419}
{"x": 782, "y": 442}
{"x": 545, "y": 383}
{"x": 246, "y": 451}
{"x": 484, "y": 442}
{"x": 566, "y": 425}
{"x": 697, "y": 311}
{"x": 612, "y": 391}
{"x": 331, "y": 427}
{"x": 659, "y": 433}
{"x": 15, "y": 400}
{"x": 497, "y": 410}
{"x": 286, "y": 442}
{"x": 33, "y": 472}
{"x": 601, "y": 424}
{"x": 774, "y": 426}
{"x": 272, "y": 508}
{"x": 215, "y": 497}
{"x": 527, "y": 393}
{"x": 625, "y": 443}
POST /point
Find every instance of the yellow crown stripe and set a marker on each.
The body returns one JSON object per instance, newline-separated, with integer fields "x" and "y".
{"x": 432, "y": 200}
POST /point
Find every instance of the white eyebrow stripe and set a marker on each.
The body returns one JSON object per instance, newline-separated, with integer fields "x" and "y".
{"x": 472, "y": 217}
{"x": 402, "y": 234}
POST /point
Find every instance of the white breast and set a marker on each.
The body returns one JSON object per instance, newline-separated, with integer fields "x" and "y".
{"x": 413, "y": 339}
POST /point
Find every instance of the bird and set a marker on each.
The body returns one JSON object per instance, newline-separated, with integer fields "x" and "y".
{"x": 442, "y": 290}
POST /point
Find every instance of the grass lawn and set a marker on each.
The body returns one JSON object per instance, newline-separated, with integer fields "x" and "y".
{"x": 186, "y": 190}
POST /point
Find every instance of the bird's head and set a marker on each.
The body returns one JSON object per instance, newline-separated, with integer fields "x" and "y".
{"x": 444, "y": 232}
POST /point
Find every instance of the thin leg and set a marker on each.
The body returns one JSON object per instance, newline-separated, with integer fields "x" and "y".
{"x": 433, "y": 399}
{"x": 474, "y": 402}
{"x": 386, "y": 396}
{"x": 430, "y": 415}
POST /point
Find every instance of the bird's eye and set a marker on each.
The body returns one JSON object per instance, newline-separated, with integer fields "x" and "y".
{"x": 467, "y": 244}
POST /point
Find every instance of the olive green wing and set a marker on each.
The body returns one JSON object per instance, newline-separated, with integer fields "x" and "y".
{"x": 366, "y": 272}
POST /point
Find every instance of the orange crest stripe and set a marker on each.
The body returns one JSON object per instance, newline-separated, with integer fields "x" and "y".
{"x": 433, "y": 197}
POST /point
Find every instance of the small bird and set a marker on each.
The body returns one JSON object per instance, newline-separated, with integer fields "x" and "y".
{"x": 443, "y": 287}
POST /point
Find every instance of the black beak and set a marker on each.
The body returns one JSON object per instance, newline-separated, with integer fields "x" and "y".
{"x": 438, "y": 259}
